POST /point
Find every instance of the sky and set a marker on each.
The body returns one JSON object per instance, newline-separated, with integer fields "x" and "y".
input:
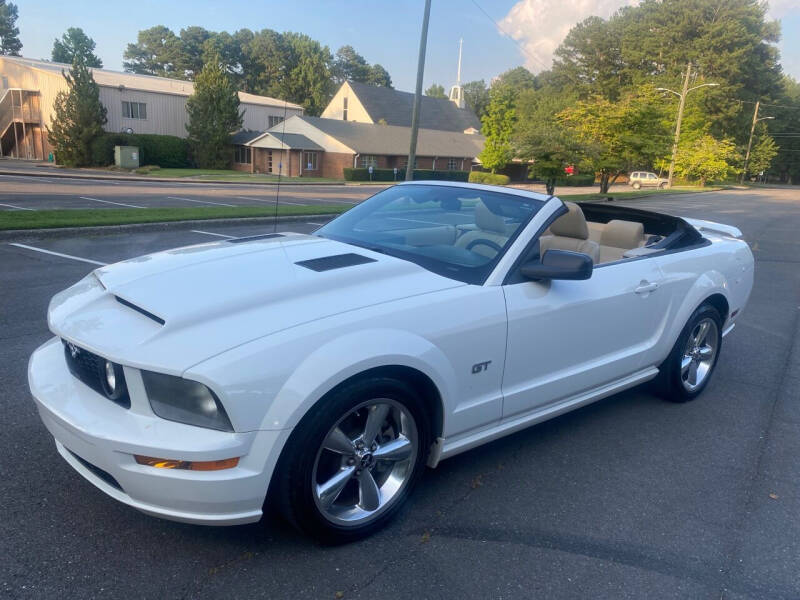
{"x": 384, "y": 32}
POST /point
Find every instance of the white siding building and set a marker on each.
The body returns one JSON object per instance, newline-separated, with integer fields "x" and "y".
{"x": 139, "y": 103}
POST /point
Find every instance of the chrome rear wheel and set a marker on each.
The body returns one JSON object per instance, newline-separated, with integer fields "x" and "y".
{"x": 700, "y": 354}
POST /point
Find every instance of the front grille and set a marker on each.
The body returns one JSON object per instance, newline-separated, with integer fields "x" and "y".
{"x": 90, "y": 369}
{"x": 97, "y": 471}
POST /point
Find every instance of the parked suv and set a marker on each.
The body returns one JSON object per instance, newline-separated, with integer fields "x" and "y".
{"x": 640, "y": 179}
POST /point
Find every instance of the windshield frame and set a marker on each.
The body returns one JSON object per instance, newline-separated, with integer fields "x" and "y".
{"x": 470, "y": 275}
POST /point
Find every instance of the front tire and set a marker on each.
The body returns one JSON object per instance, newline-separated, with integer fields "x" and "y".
{"x": 351, "y": 463}
{"x": 687, "y": 370}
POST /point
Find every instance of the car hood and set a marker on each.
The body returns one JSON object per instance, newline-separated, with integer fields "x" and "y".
{"x": 174, "y": 309}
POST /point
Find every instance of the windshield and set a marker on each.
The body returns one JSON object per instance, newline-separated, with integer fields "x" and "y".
{"x": 457, "y": 232}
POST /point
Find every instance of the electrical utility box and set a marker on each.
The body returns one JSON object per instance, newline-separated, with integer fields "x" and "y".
{"x": 126, "y": 157}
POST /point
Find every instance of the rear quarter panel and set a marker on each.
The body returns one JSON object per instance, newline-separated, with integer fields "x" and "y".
{"x": 723, "y": 266}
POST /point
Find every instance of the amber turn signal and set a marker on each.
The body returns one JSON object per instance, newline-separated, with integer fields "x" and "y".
{"x": 189, "y": 465}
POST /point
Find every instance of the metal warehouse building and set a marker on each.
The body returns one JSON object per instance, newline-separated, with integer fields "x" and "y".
{"x": 135, "y": 103}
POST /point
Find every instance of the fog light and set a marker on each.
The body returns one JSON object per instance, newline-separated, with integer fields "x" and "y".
{"x": 111, "y": 377}
{"x": 189, "y": 465}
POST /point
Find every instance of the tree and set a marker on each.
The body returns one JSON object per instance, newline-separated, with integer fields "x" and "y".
{"x": 307, "y": 79}
{"x": 706, "y": 159}
{"x": 379, "y": 76}
{"x": 616, "y": 137}
{"x": 349, "y": 65}
{"x": 213, "y": 115}
{"x": 435, "y": 91}
{"x": 541, "y": 138}
{"x": 476, "y": 97}
{"x": 156, "y": 52}
{"x": 9, "y": 33}
{"x": 518, "y": 79}
{"x": 79, "y": 117}
{"x": 190, "y": 50}
{"x": 761, "y": 155}
{"x": 75, "y": 43}
{"x": 498, "y": 126}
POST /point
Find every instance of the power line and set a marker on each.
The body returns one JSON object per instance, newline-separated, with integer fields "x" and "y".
{"x": 771, "y": 105}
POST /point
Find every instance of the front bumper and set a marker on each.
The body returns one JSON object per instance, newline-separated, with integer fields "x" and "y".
{"x": 99, "y": 439}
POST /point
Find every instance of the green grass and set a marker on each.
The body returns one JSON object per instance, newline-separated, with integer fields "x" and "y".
{"x": 48, "y": 219}
{"x": 231, "y": 175}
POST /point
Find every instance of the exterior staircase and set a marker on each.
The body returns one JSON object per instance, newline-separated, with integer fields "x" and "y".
{"x": 21, "y": 133}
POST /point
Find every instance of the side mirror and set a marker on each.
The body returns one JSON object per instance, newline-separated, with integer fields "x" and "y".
{"x": 559, "y": 264}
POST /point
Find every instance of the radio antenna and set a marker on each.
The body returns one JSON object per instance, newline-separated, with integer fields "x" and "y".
{"x": 280, "y": 170}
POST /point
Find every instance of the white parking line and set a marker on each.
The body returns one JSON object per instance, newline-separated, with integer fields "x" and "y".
{"x": 43, "y": 251}
{"x": 198, "y": 201}
{"x": 110, "y": 202}
{"x": 317, "y": 224}
{"x": 211, "y": 233}
{"x": 18, "y": 207}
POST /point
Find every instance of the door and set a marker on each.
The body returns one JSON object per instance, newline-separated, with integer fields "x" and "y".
{"x": 567, "y": 337}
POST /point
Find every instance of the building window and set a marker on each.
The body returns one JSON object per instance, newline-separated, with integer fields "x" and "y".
{"x": 272, "y": 121}
{"x": 369, "y": 160}
{"x": 344, "y": 108}
{"x": 310, "y": 160}
{"x": 241, "y": 155}
{"x": 452, "y": 164}
{"x": 269, "y": 161}
{"x": 134, "y": 110}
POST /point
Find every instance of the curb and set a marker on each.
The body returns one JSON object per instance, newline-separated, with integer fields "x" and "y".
{"x": 21, "y": 234}
{"x": 162, "y": 179}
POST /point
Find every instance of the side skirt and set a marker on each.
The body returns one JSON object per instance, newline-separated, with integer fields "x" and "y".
{"x": 472, "y": 439}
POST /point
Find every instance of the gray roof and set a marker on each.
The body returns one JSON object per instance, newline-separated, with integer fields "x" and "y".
{"x": 243, "y": 136}
{"x": 369, "y": 138}
{"x": 278, "y": 140}
{"x": 395, "y": 108}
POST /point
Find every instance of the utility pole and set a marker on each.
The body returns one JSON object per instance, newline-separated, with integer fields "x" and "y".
{"x": 423, "y": 42}
{"x": 678, "y": 124}
{"x": 750, "y": 141}
{"x": 682, "y": 96}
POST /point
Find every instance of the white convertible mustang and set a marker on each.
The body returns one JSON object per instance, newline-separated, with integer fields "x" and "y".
{"x": 320, "y": 373}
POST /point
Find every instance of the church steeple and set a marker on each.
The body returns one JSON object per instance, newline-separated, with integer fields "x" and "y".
{"x": 457, "y": 92}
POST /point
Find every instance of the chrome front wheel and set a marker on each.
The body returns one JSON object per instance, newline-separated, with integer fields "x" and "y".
{"x": 365, "y": 462}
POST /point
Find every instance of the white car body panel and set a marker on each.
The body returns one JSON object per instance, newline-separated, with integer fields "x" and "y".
{"x": 271, "y": 338}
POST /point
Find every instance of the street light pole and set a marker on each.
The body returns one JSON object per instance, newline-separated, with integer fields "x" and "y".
{"x": 423, "y": 42}
{"x": 678, "y": 124}
{"x": 750, "y": 141}
{"x": 684, "y": 92}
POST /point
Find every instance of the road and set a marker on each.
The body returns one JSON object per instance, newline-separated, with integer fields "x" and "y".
{"x": 631, "y": 497}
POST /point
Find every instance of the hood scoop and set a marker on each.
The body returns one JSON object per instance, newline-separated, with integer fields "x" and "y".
{"x": 253, "y": 238}
{"x": 336, "y": 261}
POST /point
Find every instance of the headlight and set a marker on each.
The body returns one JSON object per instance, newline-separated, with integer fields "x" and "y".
{"x": 185, "y": 401}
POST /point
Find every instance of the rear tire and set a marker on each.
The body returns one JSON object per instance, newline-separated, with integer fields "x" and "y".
{"x": 338, "y": 486}
{"x": 637, "y": 185}
{"x": 687, "y": 370}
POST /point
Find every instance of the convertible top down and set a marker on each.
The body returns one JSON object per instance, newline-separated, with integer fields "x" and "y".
{"x": 320, "y": 373}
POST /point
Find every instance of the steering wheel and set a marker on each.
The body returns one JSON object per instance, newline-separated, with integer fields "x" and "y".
{"x": 484, "y": 242}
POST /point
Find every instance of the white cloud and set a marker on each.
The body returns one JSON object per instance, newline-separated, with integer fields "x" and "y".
{"x": 541, "y": 25}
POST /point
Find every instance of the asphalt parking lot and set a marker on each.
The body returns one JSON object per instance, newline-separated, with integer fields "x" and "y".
{"x": 631, "y": 497}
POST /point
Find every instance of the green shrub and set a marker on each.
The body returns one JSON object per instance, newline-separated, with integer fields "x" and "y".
{"x": 362, "y": 174}
{"x": 147, "y": 169}
{"x": 575, "y": 181}
{"x": 166, "y": 151}
{"x": 488, "y": 178}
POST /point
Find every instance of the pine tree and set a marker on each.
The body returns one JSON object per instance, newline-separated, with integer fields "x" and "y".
{"x": 79, "y": 117}
{"x": 75, "y": 43}
{"x": 213, "y": 116}
{"x": 9, "y": 33}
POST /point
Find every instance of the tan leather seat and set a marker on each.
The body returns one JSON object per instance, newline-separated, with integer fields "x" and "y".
{"x": 618, "y": 237}
{"x": 490, "y": 227}
{"x": 570, "y": 232}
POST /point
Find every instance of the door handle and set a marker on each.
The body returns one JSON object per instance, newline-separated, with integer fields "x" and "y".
{"x": 646, "y": 288}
